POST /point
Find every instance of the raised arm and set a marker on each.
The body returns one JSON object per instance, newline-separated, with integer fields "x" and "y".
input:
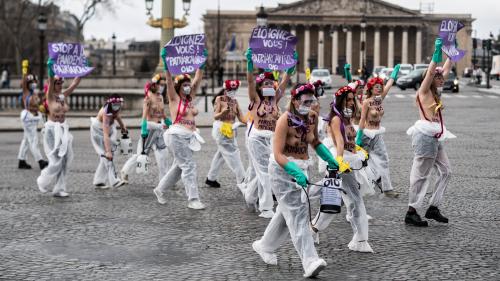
{"x": 437, "y": 57}
{"x": 286, "y": 78}
{"x": 50, "y": 71}
{"x": 252, "y": 94}
{"x": 347, "y": 72}
{"x": 196, "y": 83}
{"x": 171, "y": 94}
{"x": 72, "y": 87}
{"x": 388, "y": 85}
{"x": 447, "y": 68}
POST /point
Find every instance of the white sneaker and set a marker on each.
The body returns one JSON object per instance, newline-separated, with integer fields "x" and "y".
{"x": 196, "y": 204}
{"x": 267, "y": 214}
{"x": 119, "y": 183}
{"x": 269, "y": 258}
{"x": 315, "y": 268}
{"x": 42, "y": 190}
{"x": 159, "y": 196}
{"x": 101, "y": 186}
{"x": 360, "y": 246}
{"x": 124, "y": 177}
{"x": 369, "y": 217}
{"x": 348, "y": 218}
{"x": 61, "y": 194}
{"x": 242, "y": 186}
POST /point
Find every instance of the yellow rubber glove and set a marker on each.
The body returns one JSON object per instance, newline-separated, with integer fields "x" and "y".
{"x": 359, "y": 148}
{"x": 227, "y": 130}
{"x": 344, "y": 167}
{"x": 25, "y": 65}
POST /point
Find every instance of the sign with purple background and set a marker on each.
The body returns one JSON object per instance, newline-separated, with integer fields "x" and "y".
{"x": 69, "y": 60}
{"x": 272, "y": 48}
{"x": 448, "y": 33}
{"x": 185, "y": 53}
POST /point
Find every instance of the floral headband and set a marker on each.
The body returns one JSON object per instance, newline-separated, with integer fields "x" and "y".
{"x": 181, "y": 78}
{"x": 343, "y": 90}
{"x": 115, "y": 100}
{"x": 438, "y": 71}
{"x": 231, "y": 84}
{"x": 156, "y": 78}
{"x": 266, "y": 75}
{"x": 372, "y": 82}
{"x": 303, "y": 88}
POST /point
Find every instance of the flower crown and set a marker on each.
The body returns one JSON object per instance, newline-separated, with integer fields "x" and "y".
{"x": 343, "y": 90}
{"x": 181, "y": 78}
{"x": 266, "y": 75}
{"x": 303, "y": 88}
{"x": 231, "y": 84}
{"x": 115, "y": 100}
{"x": 372, "y": 82}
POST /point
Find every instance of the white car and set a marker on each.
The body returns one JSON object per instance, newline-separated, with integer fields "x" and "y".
{"x": 405, "y": 68}
{"x": 420, "y": 66}
{"x": 323, "y": 75}
{"x": 385, "y": 73}
{"x": 376, "y": 70}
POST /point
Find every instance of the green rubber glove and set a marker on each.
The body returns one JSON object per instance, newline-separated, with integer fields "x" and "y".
{"x": 293, "y": 170}
{"x": 291, "y": 70}
{"x": 347, "y": 72}
{"x": 50, "y": 67}
{"x": 163, "y": 55}
{"x": 437, "y": 57}
{"x": 205, "y": 54}
{"x": 395, "y": 72}
{"x": 326, "y": 155}
{"x": 144, "y": 128}
{"x": 248, "y": 55}
{"x": 359, "y": 138}
{"x": 168, "y": 122}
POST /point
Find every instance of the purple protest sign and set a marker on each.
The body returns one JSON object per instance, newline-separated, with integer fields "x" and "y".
{"x": 448, "y": 33}
{"x": 272, "y": 48}
{"x": 69, "y": 60}
{"x": 185, "y": 53}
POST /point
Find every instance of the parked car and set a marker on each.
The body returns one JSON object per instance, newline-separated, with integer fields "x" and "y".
{"x": 323, "y": 75}
{"x": 385, "y": 73}
{"x": 405, "y": 68}
{"x": 420, "y": 66}
{"x": 451, "y": 83}
{"x": 495, "y": 67}
{"x": 376, "y": 70}
{"x": 412, "y": 80}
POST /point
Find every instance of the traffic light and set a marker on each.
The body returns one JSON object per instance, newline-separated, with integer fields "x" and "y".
{"x": 488, "y": 46}
{"x": 484, "y": 43}
{"x": 474, "y": 43}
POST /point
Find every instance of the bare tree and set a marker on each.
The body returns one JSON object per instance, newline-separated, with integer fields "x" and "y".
{"x": 89, "y": 11}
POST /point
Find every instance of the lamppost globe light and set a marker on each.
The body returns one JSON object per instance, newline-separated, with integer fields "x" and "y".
{"x": 42, "y": 22}
{"x": 186, "y": 6}
{"x": 363, "y": 22}
{"x": 149, "y": 6}
{"x": 113, "y": 38}
{"x": 261, "y": 17}
{"x": 344, "y": 28}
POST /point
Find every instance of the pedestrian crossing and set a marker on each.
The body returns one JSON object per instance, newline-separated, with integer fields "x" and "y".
{"x": 445, "y": 96}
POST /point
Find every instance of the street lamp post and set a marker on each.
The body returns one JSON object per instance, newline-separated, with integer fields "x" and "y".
{"x": 42, "y": 26}
{"x": 363, "y": 35}
{"x": 262, "y": 17}
{"x": 113, "y": 38}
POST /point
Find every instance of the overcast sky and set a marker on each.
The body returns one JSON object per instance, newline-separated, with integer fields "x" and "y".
{"x": 128, "y": 21}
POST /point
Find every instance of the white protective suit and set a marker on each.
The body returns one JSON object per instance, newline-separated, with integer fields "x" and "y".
{"x": 154, "y": 141}
{"x": 378, "y": 164}
{"x": 260, "y": 148}
{"x": 58, "y": 146}
{"x": 291, "y": 217}
{"x": 428, "y": 153}
{"x": 227, "y": 151}
{"x": 355, "y": 185}
{"x": 30, "y": 136}
{"x": 182, "y": 142}
{"x": 105, "y": 173}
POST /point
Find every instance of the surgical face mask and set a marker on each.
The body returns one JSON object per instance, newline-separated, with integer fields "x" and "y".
{"x": 439, "y": 91}
{"x": 231, "y": 94}
{"x": 116, "y": 106}
{"x": 377, "y": 98}
{"x": 347, "y": 112}
{"x": 303, "y": 109}
{"x": 268, "y": 92}
{"x": 162, "y": 88}
{"x": 186, "y": 89}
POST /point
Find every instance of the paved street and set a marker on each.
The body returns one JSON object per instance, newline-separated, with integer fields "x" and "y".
{"x": 125, "y": 234}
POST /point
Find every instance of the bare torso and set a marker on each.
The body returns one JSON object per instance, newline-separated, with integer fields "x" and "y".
{"x": 265, "y": 113}
{"x": 183, "y": 112}
{"x": 428, "y": 108}
{"x": 225, "y": 103}
{"x": 156, "y": 108}
{"x": 57, "y": 109}
{"x": 350, "y": 137}
{"x": 297, "y": 139}
{"x": 374, "y": 114}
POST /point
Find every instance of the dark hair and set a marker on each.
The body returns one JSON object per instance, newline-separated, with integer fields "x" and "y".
{"x": 220, "y": 93}
{"x": 337, "y": 106}
{"x": 177, "y": 86}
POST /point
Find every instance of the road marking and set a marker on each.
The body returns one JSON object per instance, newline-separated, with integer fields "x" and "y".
{"x": 399, "y": 96}
{"x": 446, "y": 95}
{"x": 460, "y": 96}
{"x": 477, "y": 96}
{"x": 492, "y": 97}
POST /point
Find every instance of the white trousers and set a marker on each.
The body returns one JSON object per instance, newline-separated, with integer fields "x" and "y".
{"x": 105, "y": 172}
{"x": 30, "y": 136}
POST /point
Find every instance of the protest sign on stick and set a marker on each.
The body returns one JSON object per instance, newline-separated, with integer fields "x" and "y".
{"x": 448, "y": 33}
{"x": 272, "y": 48}
{"x": 69, "y": 60}
{"x": 185, "y": 53}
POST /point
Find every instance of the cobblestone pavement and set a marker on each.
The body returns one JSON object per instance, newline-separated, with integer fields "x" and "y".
{"x": 125, "y": 234}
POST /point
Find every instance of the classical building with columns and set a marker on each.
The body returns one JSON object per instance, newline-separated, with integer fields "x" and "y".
{"x": 331, "y": 33}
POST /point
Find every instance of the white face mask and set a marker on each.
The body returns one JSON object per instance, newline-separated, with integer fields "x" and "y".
{"x": 377, "y": 98}
{"x": 268, "y": 92}
{"x": 347, "y": 112}
{"x": 187, "y": 90}
{"x": 303, "y": 110}
{"x": 231, "y": 93}
{"x": 439, "y": 90}
{"x": 162, "y": 88}
{"x": 61, "y": 97}
{"x": 116, "y": 107}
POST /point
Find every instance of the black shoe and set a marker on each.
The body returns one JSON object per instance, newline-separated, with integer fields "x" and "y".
{"x": 42, "y": 163}
{"x": 212, "y": 183}
{"x": 434, "y": 213}
{"x": 378, "y": 183}
{"x": 24, "y": 165}
{"x": 414, "y": 219}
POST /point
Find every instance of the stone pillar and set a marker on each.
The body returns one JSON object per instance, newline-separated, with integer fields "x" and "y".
{"x": 418, "y": 46}
{"x": 404, "y": 45}
{"x": 390, "y": 48}
{"x": 307, "y": 47}
{"x": 335, "y": 49}
{"x": 348, "y": 46}
{"x": 321, "y": 48}
{"x": 376, "y": 47}
{"x": 293, "y": 30}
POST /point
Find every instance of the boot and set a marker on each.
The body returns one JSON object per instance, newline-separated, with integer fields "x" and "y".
{"x": 42, "y": 163}
{"x": 212, "y": 183}
{"x": 24, "y": 165}
{"x": 414, "y": 219}
{"x": 434, "y": 213}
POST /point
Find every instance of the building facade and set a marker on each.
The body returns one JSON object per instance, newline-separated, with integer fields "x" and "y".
{"x": 330, "y": 34}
